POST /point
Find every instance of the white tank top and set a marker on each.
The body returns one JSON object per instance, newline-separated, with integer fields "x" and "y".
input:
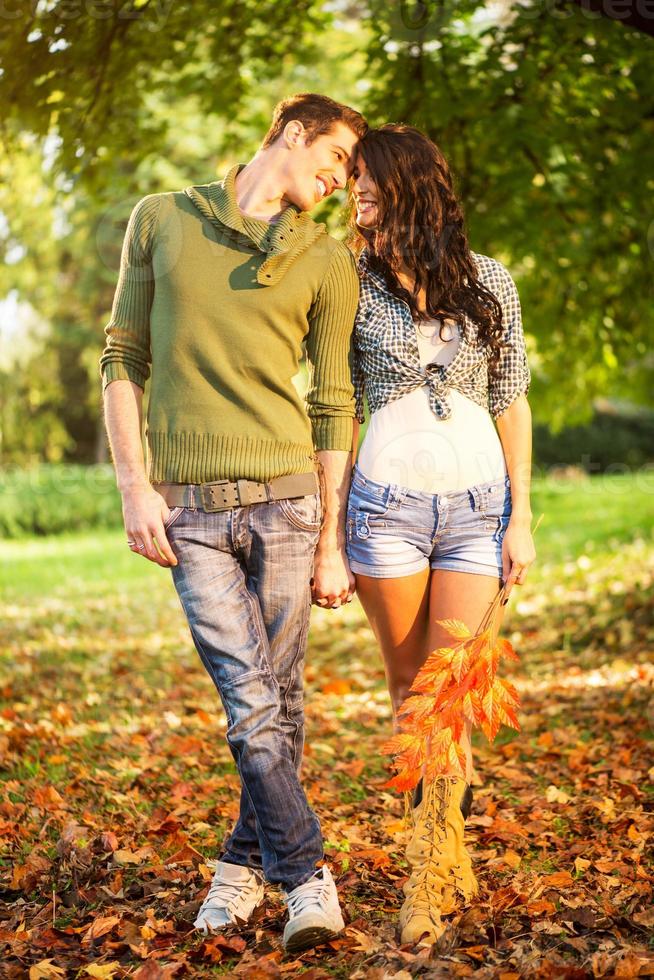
{"x": 408, "y": 445}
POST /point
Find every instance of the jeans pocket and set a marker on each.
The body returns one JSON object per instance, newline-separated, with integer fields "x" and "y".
{"x": 173, "y": 517}
{"x": 304, "y": 513}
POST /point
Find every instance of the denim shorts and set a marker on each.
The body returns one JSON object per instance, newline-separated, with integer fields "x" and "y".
{"x": 394, "y": 531}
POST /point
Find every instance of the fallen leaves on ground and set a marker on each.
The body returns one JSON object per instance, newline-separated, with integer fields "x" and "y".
{"x": 120, "y": 789}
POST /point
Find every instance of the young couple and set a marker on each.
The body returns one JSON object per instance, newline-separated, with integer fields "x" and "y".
{"x": 249, "y": 494}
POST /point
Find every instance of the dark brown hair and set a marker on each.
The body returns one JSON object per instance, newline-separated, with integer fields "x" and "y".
{"x": 421, "y": 230}
{"x": 317, "y": 113}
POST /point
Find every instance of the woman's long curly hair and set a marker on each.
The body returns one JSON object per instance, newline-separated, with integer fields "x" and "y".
{"x": 421, "y": 232}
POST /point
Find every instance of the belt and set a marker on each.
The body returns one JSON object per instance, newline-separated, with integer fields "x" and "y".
{"x": 223, "y": 495}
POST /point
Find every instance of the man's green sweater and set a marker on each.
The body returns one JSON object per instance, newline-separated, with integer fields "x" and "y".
{"x": 219, "y": 304}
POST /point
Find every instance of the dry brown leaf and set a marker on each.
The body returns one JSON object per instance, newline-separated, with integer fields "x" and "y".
{"x": 557, "y": 880}
{"x": 103, "y": 971}
{"x": 45, "y": 970}
{"x": 124, "y": 856}
{"x": 47, "y": 798}
{"x": 100, "y": 927}
{"x": 512, "y": 858}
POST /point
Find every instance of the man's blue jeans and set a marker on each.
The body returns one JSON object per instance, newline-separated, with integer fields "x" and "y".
{"x": 243, "y": 581}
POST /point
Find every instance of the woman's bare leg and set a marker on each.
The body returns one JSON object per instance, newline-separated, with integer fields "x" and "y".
{"x": 464, "y": 596}
{"x": 398, "y": 612}
{"x": 403, "y": 614}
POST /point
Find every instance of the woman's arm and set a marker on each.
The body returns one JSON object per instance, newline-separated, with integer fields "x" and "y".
{"x": 515, "y": 432}
{"x": 514, "y": 428}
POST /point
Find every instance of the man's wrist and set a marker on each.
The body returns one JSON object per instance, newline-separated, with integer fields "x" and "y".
{"x": 133, "y": 485}
{"x": 330, "y": 542}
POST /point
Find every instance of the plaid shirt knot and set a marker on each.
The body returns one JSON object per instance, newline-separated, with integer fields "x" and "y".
{"x": 438, "y": 401}
{"x": 386, "y": 360}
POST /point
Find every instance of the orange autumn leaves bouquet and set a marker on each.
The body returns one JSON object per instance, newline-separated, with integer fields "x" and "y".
{"x": 456, "y": 684}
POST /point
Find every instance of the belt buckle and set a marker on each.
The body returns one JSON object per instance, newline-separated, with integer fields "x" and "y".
{"x": 207, "y": 496}
{"x": 246, "y": 496}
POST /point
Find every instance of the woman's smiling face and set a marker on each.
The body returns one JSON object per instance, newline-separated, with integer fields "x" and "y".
{"x": 364, "y": 192}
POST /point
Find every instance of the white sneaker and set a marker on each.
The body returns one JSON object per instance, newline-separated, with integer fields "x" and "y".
{"x": 233, "y": 896}
{"x": 314, "y": 915}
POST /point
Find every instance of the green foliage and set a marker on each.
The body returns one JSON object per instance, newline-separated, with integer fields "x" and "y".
{"x": 610, "y": 442}
{"x": 547, "y": 116}
{"x": 51, "y": 499}
{"x": 545, "y": 110}
{"x": 88, "y": 71}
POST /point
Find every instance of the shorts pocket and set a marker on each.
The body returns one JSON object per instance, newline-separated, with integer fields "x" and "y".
{"x": 370, "y": 503}
{"x": 497, "y": 502}
{"x": 499, "y": 530}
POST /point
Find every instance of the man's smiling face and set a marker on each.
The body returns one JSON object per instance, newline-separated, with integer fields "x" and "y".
{"x": 322, "y": 166}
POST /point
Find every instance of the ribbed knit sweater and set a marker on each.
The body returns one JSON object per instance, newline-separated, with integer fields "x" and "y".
{"x": 215, "y": 306}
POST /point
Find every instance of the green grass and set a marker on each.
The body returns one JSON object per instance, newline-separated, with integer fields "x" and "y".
{"x": 583, "y": 517}
{"x": 73, "y": 564}
{"x": 580, "y": 518}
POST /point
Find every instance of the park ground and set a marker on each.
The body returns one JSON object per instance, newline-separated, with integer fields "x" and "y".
{"x": 118, "y": 787}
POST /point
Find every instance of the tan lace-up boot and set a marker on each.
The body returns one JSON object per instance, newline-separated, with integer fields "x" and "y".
{"x": 440, "y": 864}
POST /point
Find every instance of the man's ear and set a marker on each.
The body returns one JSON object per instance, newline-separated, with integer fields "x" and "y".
{"x": 294, "y": 133}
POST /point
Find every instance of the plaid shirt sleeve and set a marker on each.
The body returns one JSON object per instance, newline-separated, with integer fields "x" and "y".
{"x": 512, "y": 376}
{"x": 358, "y": 380}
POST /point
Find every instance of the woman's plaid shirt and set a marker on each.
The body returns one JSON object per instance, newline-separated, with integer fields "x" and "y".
{"x": 386, "y": 362}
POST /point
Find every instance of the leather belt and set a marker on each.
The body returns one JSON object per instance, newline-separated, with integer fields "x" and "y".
{"x": 223, "y": 494}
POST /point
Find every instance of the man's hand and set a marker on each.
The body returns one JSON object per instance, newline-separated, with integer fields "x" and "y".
{"x": 144, "y": 514}
{"x": 144, "y": 510}
{"x": 333, "y": 584}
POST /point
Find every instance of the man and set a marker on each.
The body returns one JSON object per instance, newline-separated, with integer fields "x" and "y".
{"x": 219, "y": 287}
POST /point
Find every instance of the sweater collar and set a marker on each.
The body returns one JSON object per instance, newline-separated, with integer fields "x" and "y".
{"x": 283, "y": 241}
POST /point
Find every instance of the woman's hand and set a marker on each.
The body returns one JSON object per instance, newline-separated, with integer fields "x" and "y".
{"x": 518, "y": 553}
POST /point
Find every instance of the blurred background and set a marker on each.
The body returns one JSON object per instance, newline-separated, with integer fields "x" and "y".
{"x": 118, "y": 786}
{"x": 545, "y": 110}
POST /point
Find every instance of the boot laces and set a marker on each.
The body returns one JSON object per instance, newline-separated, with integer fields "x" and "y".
{"x": 431, "y": 828}
{"x": 432, "y": 824}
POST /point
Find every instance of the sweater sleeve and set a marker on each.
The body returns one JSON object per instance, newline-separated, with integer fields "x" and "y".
{"x": 330, "y": 396}
{"x": 127, "y": 352}
{"x": 512, "y": 376}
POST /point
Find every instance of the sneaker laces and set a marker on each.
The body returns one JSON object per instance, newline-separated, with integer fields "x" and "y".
{"x": 306, "y": 895}
{"x": 227, "y": 892}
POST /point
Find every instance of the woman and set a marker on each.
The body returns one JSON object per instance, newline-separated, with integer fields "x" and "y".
{"x": 439, "y": 510}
